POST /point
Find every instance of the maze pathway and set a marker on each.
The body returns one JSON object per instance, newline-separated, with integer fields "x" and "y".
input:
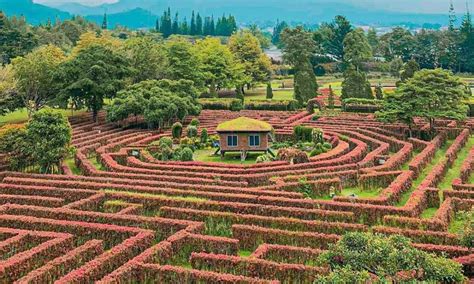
{"x": 139, "y": 220}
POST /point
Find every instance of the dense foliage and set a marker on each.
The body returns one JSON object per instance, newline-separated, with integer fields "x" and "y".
{"x": 41, "y": 146}
{"x": 357, "y": 255}
{"x": 430, "y": 94}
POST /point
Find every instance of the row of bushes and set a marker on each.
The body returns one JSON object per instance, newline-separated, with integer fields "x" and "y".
{"x": 237, "y": 105}
{"x": 361, "y": 105}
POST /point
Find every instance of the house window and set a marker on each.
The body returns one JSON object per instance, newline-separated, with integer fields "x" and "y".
{"x": 232, "y": 141}
{"x": 254, "y": 140}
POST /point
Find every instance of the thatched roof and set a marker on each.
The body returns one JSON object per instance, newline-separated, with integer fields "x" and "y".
{"x": 244, "y": 124}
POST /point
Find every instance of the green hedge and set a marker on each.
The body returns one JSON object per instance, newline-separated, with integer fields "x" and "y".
{"x": 289, "y": 105}
{"x": 221, "y": 104}
{"x": 361, "y": 105}
{"x": 236, "y": 104}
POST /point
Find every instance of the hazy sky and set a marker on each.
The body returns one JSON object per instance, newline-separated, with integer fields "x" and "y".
{"x": 419, "y": 6}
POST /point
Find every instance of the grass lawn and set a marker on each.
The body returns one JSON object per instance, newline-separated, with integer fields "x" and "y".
{"x": 428, "y": 213}
{"x": 439, "y": 155}
{"x": 96, "y": 164}
{"x": 458, "y": 223}
{"x": 72, "y": 165}
{"x": 261, "y": 94}
{"x": 22, "y": 115}
{"x": 360, "y": 192}
{"x": 454, "y": 171}
{"x": 244, "y": 253}
{"x": 230, "y": 158}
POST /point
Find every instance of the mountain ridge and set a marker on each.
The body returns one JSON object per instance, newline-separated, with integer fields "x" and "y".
{"x": 125, "y": 12}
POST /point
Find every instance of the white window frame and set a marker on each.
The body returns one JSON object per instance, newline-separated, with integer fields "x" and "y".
{"x": 236, "y": 141}
{"x": 259, "y": 140}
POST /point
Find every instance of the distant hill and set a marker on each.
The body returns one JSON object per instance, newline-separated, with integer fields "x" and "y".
{"x": 133, "y": 19}
{"x": 34, "y": 13}
{"x": 313, "y": 11}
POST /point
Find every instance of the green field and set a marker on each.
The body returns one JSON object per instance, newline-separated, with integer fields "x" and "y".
{"x": 261, "y": 94}
{"x": 229, "y": 158}
{"x": 22, "y": 115}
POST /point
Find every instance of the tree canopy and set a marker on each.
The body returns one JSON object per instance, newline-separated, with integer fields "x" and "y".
{"x": 95, "y": 73}
{"x": 430, "y": 94}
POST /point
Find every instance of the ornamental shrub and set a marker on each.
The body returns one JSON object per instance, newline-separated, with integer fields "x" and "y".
{"x": 192, "y": 131}
{"x": 388, "y": 258}
{"x": 236, "y": 105}
{"x": 177, "y": 130}
{"x": 269, "y": 91}
{"x": 317, "y": 136}
{"x": 165, "y": 142}
{"x": 195, "y": 122}
{"x": 186, "y": 155}
{"x": 204, "y": 136}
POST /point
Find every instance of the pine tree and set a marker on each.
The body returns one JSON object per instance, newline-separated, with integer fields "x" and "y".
{"x": 175, "y": 27}
{"x": 213, "y": 26}
{"x": 166, "y": 24}
{"x": 199, "y": 25}
{"x": 207, "y": 26}
{"x": 104, "y": 22}
{"x": 193, "y": 29}
{"x": 452, "y": 17}
{"x": 356, "y": 85}
{"x": 184, "y": 29}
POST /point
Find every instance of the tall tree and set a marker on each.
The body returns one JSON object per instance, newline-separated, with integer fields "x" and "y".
{"x": 398, "y": 43}
{"x": 147, "y": 58}
{"x": 373, "y": 40}
{"x": 175, "y": 26}
{"x": 246, "y": 49}
{"x": 199, "y": 25}
{"x": 467, "y": 44}
{"x": 280, "y": 26}
{"x": 333, "y": 35}
{"x": 193, "y": 27}
{"x": 96, "y": 73}
{"x": 430, "y": 94}
{"x": 357, "y": 48}
{"x": 35, "y": 77}
{"x": 298, "y": 47}
{"x": 104, "y": 22}
{"x": 183, "y": 62}
{"x": 452, "y": 17}
{"x": 9, "y": 98}
{"x": 219, "y": 65}
{"x": 166, "y": 23}
{"x": 356, "y": 85}
{"x": 14, "y": 41}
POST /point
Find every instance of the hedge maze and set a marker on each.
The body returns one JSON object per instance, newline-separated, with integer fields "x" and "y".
{"x": 118, "y": 217}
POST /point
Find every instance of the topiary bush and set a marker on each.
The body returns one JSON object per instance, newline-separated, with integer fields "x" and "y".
{"x": 192, "y": 131}
{"x": 177, "y": 130}
{"x": 204, "y": 136}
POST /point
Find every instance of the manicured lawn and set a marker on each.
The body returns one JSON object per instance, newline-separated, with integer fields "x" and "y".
{"x": 230, "y": 158}
{"x": 261, "y": 94}
{"x": 360, "y": 192}
{"x": 22, "y": 115}
{"x": 428, "y": 213}
{"x": 454, "y": 171}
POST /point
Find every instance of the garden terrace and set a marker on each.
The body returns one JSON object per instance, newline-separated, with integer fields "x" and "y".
{"x": 113, "y": 217}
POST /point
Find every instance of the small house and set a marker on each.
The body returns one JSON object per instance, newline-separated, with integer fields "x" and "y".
{"x": 244, "y": 135}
